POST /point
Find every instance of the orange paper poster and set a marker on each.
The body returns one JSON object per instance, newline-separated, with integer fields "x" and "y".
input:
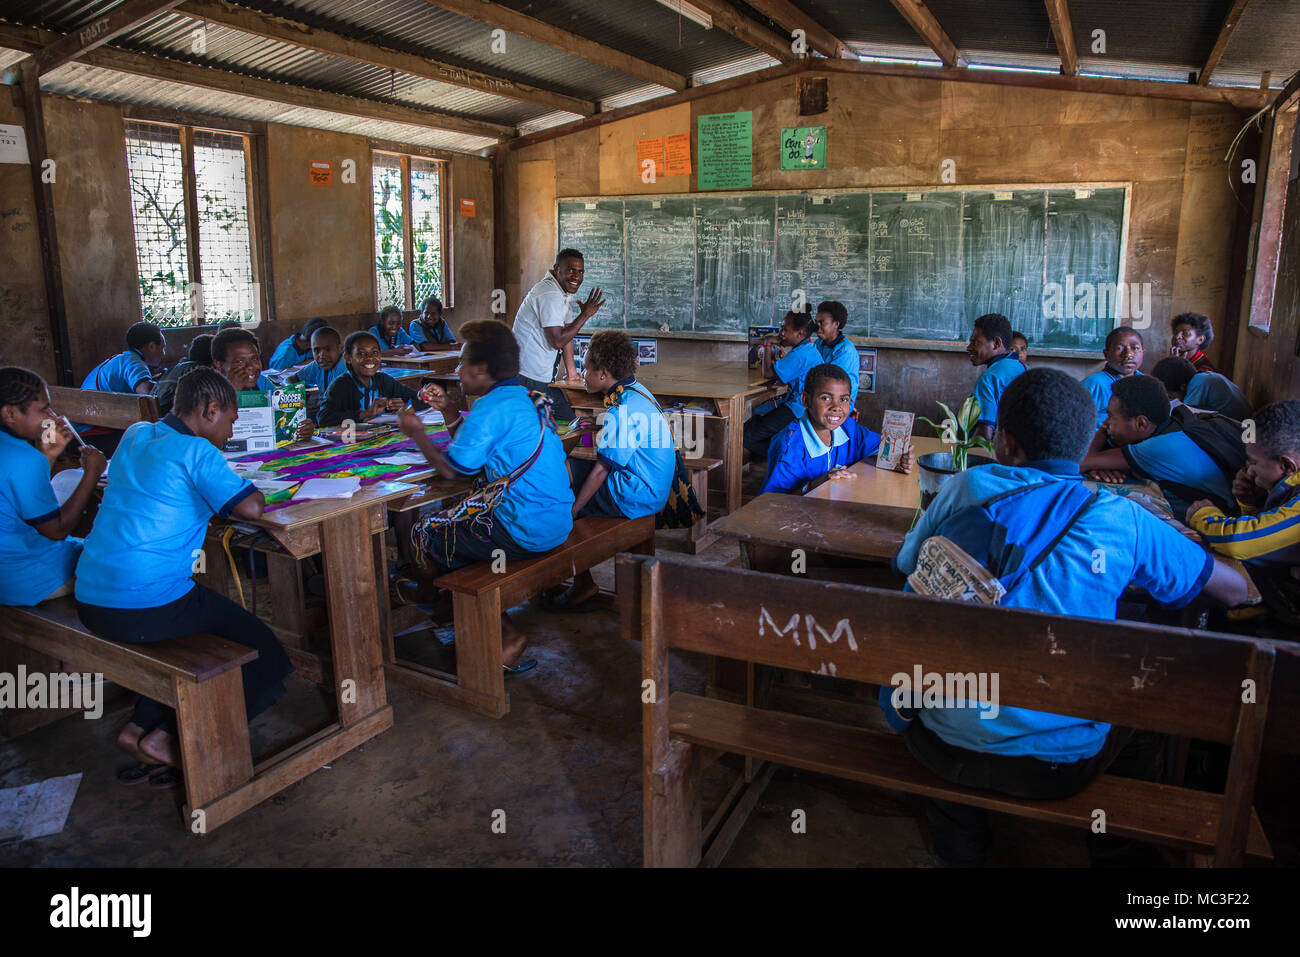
{"x": 650, "y": 149}
{"x": 320, "y": 174}
{"x": 678, "y": 148}
{"x": 467, "y": 208}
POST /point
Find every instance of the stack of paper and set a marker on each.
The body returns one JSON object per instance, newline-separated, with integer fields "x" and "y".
{"x": 329, "y": 488}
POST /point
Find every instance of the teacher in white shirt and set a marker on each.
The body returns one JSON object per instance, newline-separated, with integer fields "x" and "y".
{"x": 543, "y": 329}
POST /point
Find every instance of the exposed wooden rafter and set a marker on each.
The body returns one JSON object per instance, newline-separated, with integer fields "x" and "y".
{"x": 730, "y": 20}
{"x": 324, "y": 41}
{"x": 792, "y": 18}
{"x": 30, "y": 39}
{"x": 98, "y": 32}
{"x": 1221, "y": 42}
{"x": 923, "y": 22}
{"x": 539, "y": 31}
{"x": 1058, "y": 11}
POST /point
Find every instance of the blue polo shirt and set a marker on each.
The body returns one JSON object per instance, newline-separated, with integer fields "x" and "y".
{"x": 403, "y": 338}
{"x": 1100, "y": 385}
{"x": 793, "y": 368}
{"x": 122, "y": 373}
{"x": 993, "y": 381}
{"x": 164, "y": 485}
{"x": 499, "y": 436}
{"x": 441, "y": 334}
{"x": 1173, "y": 457}
{"x": 798, "y": 454}
{"x": 264, "y": 383}
{"x": 31, "y": 565}
{"x": 286, "y": 354}
{"x": 1211, "y": 390}
{"x": 636, "y": 444}
{"x": 321, "y": 378}
{"x": 1140, "y": 550}
{"x": 844, "y": 354}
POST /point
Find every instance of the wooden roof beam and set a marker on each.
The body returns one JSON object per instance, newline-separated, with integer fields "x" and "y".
{"x": 324, "y": 41}
{"x": 98, "y": 32}
{"x": 539, "y": 31}
{"x": 1221, "y": 43}
{"x": 791, "y": 18}
{"x": 29, "y": 39}
{"x": 730, "y": 20}
{"x": 923, "y": 22}
{"x": 1058, "y": 11}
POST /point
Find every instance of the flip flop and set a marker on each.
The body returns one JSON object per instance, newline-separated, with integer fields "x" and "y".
{"x": 138, "y": 774}
{"x": 520, "y": 668}
{"x": 165, "y": 779}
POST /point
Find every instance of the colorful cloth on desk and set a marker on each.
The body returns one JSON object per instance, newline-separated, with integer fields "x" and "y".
{"x": 340, "y": 461}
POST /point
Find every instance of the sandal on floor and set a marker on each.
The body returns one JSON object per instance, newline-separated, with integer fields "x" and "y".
{"x": 165, "y": 779}
{"x": 520, "y": 668}
{"x": 138, "y": 774}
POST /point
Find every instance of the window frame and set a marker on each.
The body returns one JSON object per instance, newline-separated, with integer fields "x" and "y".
{"x": 404, "y": 155}
{"x": 252, "y": 135}
{"x": 1270, "y": 222}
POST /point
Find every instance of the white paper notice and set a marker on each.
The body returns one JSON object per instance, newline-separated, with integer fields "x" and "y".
{"x": 13, "y": 144}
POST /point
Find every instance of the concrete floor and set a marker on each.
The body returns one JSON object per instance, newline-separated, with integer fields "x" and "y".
{"x": 564, "y": 766}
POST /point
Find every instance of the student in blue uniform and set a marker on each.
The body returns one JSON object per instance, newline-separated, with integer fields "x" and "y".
{"x": 199, "y": 354}
{"x": 134, "y": 582}
{"x": 990, "y": 347}
{"x": 236, "y": 354}
{"x": 364, "y": 392}
{"x": 636, "y": 458}
{"x": 132, "y": 370}
{"x": 1020, "y": 346}
{"x": 297, "y": 348}
{"x": 822, "y": 444}
{"x": 1189, "y": 457}
{"x": 1201, "y": 390}
{"x": 388, "y": 330}
{"x": 797, "y": 336}
{"x": 834, "y": 347}
{"x": 327, "y": 350}
{"x": 505, "y": 432}
{"x": 37, "y": 557}
{"x": 429, "y": 327}
{"x": 1123, "y": 355}
{"x": 1045, "y": 423}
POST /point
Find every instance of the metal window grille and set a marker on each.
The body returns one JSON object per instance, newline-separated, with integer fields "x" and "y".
{"x": 225, "y": 251}
{"x": 156, "y": 164}
{"x": 390, "y": 246}
{"x": 426, "y": 230}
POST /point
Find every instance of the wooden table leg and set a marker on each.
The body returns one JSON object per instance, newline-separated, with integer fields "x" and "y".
{"x": 734, "y": 467}
{"x": 356, "y": 642}
{"x": 288, "y": 599}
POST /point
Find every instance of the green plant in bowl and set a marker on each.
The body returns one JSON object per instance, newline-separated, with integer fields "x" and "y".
{"x": 958, "y": 431}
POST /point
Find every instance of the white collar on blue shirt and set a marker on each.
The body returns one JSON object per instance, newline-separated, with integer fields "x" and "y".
{"x": 813, "y": 443}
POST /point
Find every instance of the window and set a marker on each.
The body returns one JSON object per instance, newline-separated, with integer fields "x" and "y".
{"x": 190, "y": 208}
{"x": 1272, "y": 216}
{"x": 410, "y": 230}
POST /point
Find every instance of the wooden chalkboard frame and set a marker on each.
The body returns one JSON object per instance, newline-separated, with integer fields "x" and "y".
{"x": 938, "y": 345}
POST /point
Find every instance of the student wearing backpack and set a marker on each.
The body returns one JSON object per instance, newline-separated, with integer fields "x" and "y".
{"x": 1034, "y": 497}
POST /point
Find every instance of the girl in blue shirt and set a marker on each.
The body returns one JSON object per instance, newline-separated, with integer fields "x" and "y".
{"x": 388, "y": 330}
{"x": 134, "y": 583}
{"x": 297, "y": 348}
{"x": 505, "y": 432}
{"x": 796, "y": 335}
{"x": 37, "y": 558}
{"x": 834, "y": 346}
{"x": 430, "y": 327}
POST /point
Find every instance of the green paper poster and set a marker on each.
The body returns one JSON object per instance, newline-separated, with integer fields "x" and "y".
{"x": 725, "y": 151}
{"x": 803, "y": 147}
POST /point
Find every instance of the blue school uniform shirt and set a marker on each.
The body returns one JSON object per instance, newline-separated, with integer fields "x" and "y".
{"x": 403, "y": 338}
{"x": 498, "y": 436}
{"x": 799, "y": 455}
{"x": 121, "y": 373}
{"x": 1211, "y": 390}
{"x": 164, "y": 485}
{"x": 441, "y": 334}
{"x": 321, "y": 378}
{"x": 1100, "y": 385}
{"x": 286, "y": 354}
{"x": 636, "y": 444}
{"x": 31, "y": 565}
{"x": 844, "y": 354}
{"x": 993, "y": 381}
{"x": 1172, "y": 457}
{"x": 792, "y": 368}
{"x": 1139, "y": 549}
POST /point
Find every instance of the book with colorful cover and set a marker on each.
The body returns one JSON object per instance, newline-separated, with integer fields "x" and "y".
{"x": 895, "y": 436}
{"x": 268, "y": 419}
{"x": 756, "y": 336}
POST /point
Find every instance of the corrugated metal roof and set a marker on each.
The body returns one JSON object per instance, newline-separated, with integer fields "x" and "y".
{"x": 861, "y": 21}
{"x": 1009, "y": 26}
{"x": 1266, "y": 38}
{"x": 1179, "y": 33}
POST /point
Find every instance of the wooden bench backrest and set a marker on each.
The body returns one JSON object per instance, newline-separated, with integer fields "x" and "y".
{"x": 109, "y": 410}
{"x": 1170, "y": 680}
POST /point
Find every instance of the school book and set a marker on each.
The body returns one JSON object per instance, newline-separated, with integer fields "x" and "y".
{"x": 756, "y": 336}
{"x": 268, "y": 419}
{"x": 895, "y": 434}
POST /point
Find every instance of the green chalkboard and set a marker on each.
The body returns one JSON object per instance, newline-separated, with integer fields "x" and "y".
{"x": 907, "y": 265}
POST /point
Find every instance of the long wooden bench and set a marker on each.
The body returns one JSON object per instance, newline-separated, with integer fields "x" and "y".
{"x": 1163, "y": 679}
{"x": 199, "y": 676}
{"x": 480, "y": 595}
{"x": 108, "y": 410}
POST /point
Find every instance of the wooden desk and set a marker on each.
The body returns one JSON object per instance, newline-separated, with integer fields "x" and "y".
{"x": 442, "y": 361}
{"x": 729, "y": 387}
{"x": 840, "y": 528}
{"x": 873, "y": 486}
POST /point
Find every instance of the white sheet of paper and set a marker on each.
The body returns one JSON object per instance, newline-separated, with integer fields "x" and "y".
{"x": 37, "y": 810}
{"x": 65, "y": 483}
{"x": 271, "y": 486}
{"x": 403, "y": 458}
{"x": 329, "y": 488}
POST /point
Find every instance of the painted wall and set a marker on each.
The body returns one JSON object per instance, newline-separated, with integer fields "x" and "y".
{"x": 891, "y": 131}
{"x": 25, "y": 336}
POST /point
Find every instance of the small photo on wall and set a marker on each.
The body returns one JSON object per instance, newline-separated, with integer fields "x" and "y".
{"x": 803, "y": 147}
{"x": 647, "y": 351}
{"x": 866, "y": 369}
{"x": 580, "y": 344}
